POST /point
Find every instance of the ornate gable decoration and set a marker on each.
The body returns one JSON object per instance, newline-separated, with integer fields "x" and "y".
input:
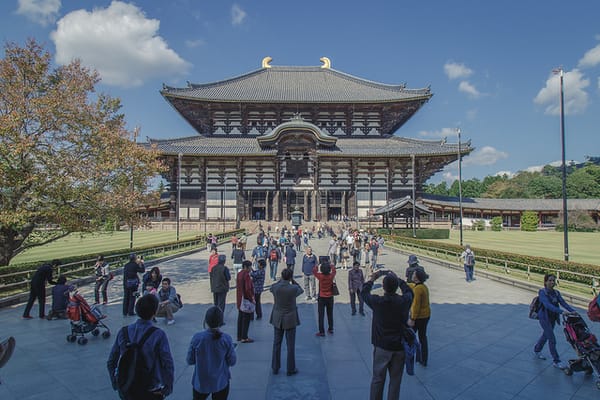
{"x": 298, "y": 128}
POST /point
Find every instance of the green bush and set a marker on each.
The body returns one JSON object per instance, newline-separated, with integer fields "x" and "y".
{"x": 497, "y": 224}
{"x": 478, "y": 225}
{"x": 421, "y": 233}
{"x": 529, "y": 221}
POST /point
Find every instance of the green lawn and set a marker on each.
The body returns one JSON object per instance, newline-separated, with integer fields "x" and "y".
{"x": 584, "y": 247}
{"x": 96, "y": 243}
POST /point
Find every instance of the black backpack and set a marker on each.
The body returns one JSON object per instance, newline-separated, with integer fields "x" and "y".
{"x": 132, "y": 374}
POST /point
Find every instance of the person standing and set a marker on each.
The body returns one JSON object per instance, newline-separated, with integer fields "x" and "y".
{"x": 155, "y": 351}
{"x": 309, "y": 262}
{"x": 37, "y": 288}
{"x": 219, "y": 282}
{"x": 332, "y": 250}
{"x": 213, "y": 258}
{"x": 131, "y": 283}
{"x": 413, "y": 265}
{"x": 549, "y": 314}
{"x": 274, "y": 257}
{"x": 356, "y": 280}
{"x": 102, "y": 273}
{"x": 374, "y": 253}
{"x": 238, "y": 255}
{"x": 284, "y": 318}
{"x": 258, "y": 281}
{"x": 259, "y": 253}
{"x": 212, "y": 353}
{"x": 420, "y": 311}
{"x": 468, "y": 257}
{"x": 325, "y": 273}
{"x": 290, "y": 257}
{"x": 244, "y": 290}
{"x": 390, "y": 313}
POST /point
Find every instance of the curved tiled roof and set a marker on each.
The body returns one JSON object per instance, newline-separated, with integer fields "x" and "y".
{"x": 513, "y": 204}
{"x": 371, "y": 147}
{"x": 280, "y": 84}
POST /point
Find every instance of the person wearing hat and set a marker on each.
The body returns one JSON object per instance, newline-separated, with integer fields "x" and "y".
{"x": 219, "y": 282}
{"x": 131, "y": 283}
{"x": 212, "y": 353}
{"x": 413, "y": 265}
{"x": 420, "y": 311}
{"x": 37, "y": 289}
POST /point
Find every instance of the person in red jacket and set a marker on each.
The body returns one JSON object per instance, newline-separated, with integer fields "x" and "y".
{"x": 325, "y": 273}
{"x": 245, "y": 290}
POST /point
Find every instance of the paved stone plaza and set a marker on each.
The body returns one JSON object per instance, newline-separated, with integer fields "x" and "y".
{"x": 479, "y": 334}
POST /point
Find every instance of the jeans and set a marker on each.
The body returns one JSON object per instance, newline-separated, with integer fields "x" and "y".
{"x": 309, "y": 280}
{"x": 384, "y": 362}
{"x": 273, "y": 273}
{"x": 547, "y": 335}
{"x": 469, "y": 272}
{"x": 325, "y": 303}
{"x": 353, "y": 294}
{"x": 101, "y": 286}
{"x": 290, "y": 339}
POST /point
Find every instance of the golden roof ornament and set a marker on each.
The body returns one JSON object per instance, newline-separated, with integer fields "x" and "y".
{"x": 326, "y": 62}
{"x": 266, "y": 61}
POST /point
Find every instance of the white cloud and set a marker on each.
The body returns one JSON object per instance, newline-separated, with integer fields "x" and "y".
{"x": 442, "y": 133}
{"x": 237, "y": 15}
{"x": 119, "y": 42}
{"x": 534, "y": 168}
{"x": 469, "y": 89}
{"x": 576, "y": 98}
{"x": 510, "y": 174}
{"x": 449, "y": 176}
{"x": 194, "y": 43}
{"x": 487, "y": 155}
{"x": 591, "y": 58}
{"x": 43, "y": 12}
{"x": 457, "y": 71}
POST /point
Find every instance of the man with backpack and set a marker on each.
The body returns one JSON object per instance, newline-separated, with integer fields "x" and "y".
{"x": 468, "y": 256}
{"x": 259, "y": 253}
{"x": 274, "y": 257}
{"x": 140, "y": 364}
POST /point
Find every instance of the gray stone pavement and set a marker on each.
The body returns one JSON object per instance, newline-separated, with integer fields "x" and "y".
{"x": 479, "y": 334}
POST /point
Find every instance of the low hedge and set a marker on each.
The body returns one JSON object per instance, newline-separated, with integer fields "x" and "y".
{"x": 421, "y": 233}
{"x": 515, "y": 261}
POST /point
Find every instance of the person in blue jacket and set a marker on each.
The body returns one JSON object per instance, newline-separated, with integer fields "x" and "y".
{"x": 212, "y": 353}
{"x": 548, "y": 315}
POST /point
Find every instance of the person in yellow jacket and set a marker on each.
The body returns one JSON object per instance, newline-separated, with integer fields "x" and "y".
{"x": 420, "y": 311}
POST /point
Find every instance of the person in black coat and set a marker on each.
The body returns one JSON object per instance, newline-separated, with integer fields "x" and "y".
{"x": 131, "y": 282}
{"x": 38, "y": 288}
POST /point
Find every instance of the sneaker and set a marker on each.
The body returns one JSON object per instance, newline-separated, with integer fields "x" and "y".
{"x": 170, "y": 322}
{"x": 353, "y": 312}
{"x": 539, "y": 355}
{"x": 320, "y": 334}
{"x": 27, "y": 317}
{"x": 559, "y": 365}
{"x": 330, "y": 331}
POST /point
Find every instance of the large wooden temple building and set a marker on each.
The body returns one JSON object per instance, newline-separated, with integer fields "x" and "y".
{"x": 282, "y": 138}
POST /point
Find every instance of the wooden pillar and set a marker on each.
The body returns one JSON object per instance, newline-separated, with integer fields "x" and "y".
{"x": 314, "y": 205}
{"x": 306, "y": 205}
{"x": 268, "y": 212}
{"x": 276, "y": 214}
{"x": 344, "y": 210}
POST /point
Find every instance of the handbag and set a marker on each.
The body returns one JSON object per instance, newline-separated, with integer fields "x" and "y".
{"x": 334, "y": 289}
{"x": 132, "y": 283}
{"x": 247, "y": 306}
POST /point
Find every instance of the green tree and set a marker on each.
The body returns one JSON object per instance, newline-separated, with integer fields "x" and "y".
{"x": 497, "y": 223}
{"x": 65, "y": 155}
{"x": 529, "y": 221}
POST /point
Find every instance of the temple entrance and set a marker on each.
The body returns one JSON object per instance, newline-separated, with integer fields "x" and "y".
{"x": 298, "y": 201}
{"x": 258, "y": 213}
{"x": 334, "y": 213}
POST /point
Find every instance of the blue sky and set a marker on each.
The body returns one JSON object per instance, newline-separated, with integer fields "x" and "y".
{"x": 489, "y": 64}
